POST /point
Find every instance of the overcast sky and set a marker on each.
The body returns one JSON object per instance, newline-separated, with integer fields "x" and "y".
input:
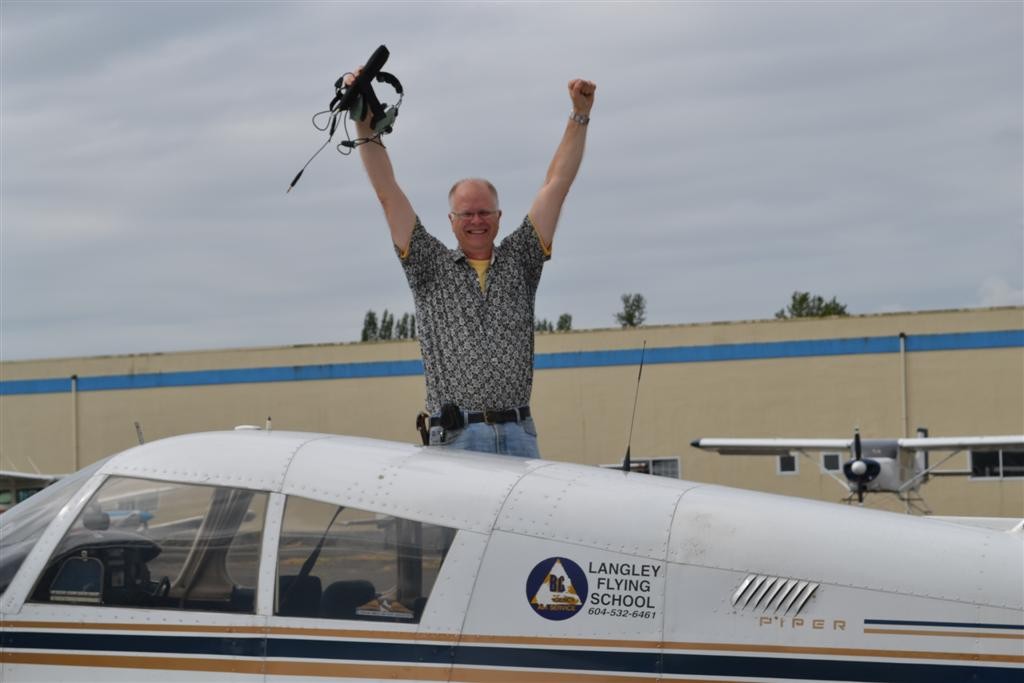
{"x": 738, "y": 152}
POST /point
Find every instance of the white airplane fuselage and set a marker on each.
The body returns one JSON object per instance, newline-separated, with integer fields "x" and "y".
{"x": 553, "y": 572}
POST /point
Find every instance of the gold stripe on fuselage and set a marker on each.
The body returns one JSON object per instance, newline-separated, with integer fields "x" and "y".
{"x": 219, "y": 665}
{"x": 129, "y": 626}
{"x": 327, "y": 670}
{"x": 402, "y": 672}
{"x": 950, "y": 634}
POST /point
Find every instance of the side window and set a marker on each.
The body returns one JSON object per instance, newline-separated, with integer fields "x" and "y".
{"x": 342, "y": 563}
{"x": 831, "y": 462}
{"x": 985, "y": 464}
{"x": 160, "y": 545}
{"x": 1001, "y": 464}
{"x": 787, "y": 464}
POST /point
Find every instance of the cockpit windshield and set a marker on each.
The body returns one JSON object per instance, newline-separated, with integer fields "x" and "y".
{"x": 21, "y": 526}
{"x": 159, "y": 545}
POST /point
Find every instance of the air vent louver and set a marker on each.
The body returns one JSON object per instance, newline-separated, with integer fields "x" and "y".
{"x": 773, "y": 594}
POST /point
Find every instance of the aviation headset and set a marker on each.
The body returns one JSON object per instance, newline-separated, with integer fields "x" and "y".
{"x": 359, "y": 99}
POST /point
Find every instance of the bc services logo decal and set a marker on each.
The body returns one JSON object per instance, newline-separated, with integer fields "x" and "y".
{"x": 557, "y": 588}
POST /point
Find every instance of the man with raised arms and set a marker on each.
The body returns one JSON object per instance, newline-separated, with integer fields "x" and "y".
{"x": 475, "y": 304}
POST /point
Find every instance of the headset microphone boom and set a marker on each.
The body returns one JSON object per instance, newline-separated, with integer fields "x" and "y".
{"x": 357, "y": 99}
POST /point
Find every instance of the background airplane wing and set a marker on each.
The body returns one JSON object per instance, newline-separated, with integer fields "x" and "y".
{"x": 770, "y": 446}
{"x": 29, "y": 476}
{"x": 955, "y": 443}
{"x": 783, "y": 446}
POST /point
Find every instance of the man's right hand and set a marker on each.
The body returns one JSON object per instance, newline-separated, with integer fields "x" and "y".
{"x": 350, "y": 78}
{"x": 363, "y": 129}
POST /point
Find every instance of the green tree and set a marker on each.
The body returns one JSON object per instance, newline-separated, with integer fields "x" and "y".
{"x": 564, "y": 324}
{"x": 405, "y": 328}
{"x": 634, "y": 310}
{"x": 387, "y": 325}
{"x": 370, "y": 329}
{"x": 804, "y": 305}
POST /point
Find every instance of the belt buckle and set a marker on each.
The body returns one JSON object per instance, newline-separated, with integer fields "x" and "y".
{"x": 488, "y": 417}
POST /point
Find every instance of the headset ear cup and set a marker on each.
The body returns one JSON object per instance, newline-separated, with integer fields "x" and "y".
{"x": 387, "y": 123}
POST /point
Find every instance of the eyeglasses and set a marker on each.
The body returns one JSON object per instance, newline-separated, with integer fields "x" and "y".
{"x": 469, "y": 215}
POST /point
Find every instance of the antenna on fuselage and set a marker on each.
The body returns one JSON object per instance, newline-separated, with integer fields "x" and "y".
{"x": 626, "y": 461}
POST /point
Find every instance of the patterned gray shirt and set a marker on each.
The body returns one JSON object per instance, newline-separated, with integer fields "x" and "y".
{"x": 477, "y": 346}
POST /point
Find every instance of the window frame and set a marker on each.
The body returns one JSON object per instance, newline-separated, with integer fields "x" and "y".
{"x": 839, "y": 462}
{"x": 787, "y": 473}
{"x": 999, "y": 465}
{"x": 378, "y": 608}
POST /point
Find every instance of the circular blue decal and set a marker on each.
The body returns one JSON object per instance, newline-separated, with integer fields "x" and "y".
{"x": 556, "y": 588}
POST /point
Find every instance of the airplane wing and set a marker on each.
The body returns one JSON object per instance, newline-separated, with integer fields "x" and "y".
{"x": 29, "y": 476}
{"x": 785, "y": 446}
{"x": 956, "y": 443}
{"x": 770, "y": 446}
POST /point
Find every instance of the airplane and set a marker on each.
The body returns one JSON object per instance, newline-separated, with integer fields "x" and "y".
{"x": 280, "y": 556}
{"x": 16, "y": 486}
{"x": 896, "y": 466}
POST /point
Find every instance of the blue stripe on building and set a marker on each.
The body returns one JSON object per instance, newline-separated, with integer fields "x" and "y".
{"x": 856, "y": 346}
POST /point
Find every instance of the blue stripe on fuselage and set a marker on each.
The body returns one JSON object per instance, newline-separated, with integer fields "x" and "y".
{"x": 231, "y": 646}
{"x": 944, "y": 624}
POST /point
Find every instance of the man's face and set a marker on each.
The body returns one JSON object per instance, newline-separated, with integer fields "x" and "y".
{"x": 474, "y": 218}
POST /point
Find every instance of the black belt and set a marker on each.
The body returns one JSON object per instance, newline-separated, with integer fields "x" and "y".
{"x": 492, "y": 416}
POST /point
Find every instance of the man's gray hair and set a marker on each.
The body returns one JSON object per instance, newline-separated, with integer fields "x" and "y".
{"x": 490, "y": 186}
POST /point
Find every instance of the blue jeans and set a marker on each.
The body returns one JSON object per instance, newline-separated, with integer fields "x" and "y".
{"x": 507, "y": 438}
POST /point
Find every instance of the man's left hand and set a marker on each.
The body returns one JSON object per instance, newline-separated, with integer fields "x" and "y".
{"x": 581, "y": 93}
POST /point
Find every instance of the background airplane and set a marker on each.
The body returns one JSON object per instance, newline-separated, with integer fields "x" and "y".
{"x": 17, "y": 486}
{"x": 894, "y": 466}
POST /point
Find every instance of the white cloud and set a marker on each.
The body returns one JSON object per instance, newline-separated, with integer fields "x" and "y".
{"x": 995, "y": 291}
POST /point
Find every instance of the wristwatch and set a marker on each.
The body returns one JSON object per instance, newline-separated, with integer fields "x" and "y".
{"x": 579, "y": 118}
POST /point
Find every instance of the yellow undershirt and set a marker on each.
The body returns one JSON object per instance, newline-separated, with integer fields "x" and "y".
{"x": 480, "y": 266}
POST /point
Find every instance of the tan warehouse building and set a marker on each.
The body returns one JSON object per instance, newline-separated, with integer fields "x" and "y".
{"x": 954, "y": 372}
